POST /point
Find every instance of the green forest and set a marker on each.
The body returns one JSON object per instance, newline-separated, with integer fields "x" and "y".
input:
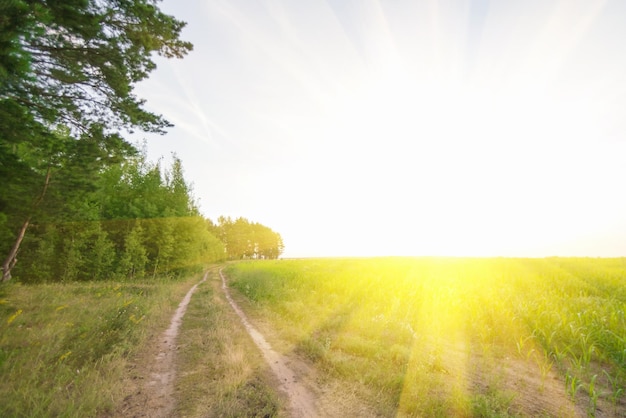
{"x": 78, "y": 200}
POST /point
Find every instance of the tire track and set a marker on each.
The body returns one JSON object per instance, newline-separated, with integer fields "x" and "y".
{"x": 155, "y": 399}
{"x": 301, "y": 400}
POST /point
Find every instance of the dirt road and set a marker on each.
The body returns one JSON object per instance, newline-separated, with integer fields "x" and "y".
{"x": 301, "y": 400}
{"x": 153, "y": 376}
{"x": 154, "y": 398}
{"x": 222, "y": 363}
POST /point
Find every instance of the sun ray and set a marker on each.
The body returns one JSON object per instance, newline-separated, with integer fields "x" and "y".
{"x": 446, "y": 127}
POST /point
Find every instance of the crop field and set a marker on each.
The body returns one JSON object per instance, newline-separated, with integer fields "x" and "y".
{"x": 452, "y": 336}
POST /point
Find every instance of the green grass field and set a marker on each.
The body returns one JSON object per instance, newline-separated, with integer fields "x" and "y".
{"x": 84, "y": 349}
{"x": 453, "y": 336}
{"x": 64, "y": 348}
{"x": 386, "y": 337}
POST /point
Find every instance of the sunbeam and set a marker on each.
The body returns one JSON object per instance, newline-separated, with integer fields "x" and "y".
{"x": 447, "y": 128}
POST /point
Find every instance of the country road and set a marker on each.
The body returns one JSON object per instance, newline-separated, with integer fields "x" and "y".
{"x": 301, "y": 400}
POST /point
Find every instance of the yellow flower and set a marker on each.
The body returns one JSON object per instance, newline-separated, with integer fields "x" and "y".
{"x": 134, "y": 319}
{"x": 15, "y": 315}
{"x": 64, "y": 356}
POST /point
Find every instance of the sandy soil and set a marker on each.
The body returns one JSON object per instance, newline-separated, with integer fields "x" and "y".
{"x": 153, "y": 383}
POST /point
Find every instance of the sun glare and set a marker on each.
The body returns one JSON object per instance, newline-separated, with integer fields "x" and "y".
{"x": 422, "y": 128}
{"x": 438, "y": 336}
{"x": 453, "y": 171}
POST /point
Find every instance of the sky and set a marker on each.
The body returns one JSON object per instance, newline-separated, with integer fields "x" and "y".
{"x": 397, "y": 127}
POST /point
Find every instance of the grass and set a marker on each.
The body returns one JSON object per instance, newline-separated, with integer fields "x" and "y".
{"x": 451, "y": 336}
{"x": 220, "y": 371}
{"x": 388, "y": 337}
{"x": 65, "y": 347}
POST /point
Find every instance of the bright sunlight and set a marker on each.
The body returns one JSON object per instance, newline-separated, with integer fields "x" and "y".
{"x": 466, "y": 160}
{"x": 407, "y": 128}
{"x": 454, "y": 337}
{"x": 455, "y": 171}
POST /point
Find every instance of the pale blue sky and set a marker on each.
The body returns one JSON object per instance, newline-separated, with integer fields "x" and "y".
{"x": 382, "y": 127}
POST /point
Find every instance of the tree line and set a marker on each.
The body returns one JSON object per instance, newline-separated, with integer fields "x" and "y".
{"x": 78, "y": 201}
{"x": 245, "y": 239}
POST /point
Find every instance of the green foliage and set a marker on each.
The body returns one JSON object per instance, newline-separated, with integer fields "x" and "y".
{"x": 76, "y": 62}
{"x": 245, "y": 239}
{"x": 140, "y": 221}
{"x": 67, "y": 73}
{"x": 92, "y": 205}
{"x": 134, "y": 258}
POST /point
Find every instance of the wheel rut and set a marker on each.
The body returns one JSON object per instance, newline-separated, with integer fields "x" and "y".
{"x": 154, "y": 397}
{"x": 301, "y": 400}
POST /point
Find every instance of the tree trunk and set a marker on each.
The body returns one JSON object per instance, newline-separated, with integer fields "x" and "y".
{"x": 156, "y": 264}
{"x": 11, "y": 259}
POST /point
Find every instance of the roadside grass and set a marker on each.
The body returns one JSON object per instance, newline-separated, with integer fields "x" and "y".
{"x": 451, "y": 336}
{"x": 64, "y": 347}
{"x": 220, "y": 372}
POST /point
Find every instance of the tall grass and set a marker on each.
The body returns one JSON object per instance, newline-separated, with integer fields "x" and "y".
{"x": 421, "y": 336}
{"x": 64, "y": 347}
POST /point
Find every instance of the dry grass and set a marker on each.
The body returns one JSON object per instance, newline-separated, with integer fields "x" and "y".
{"x": 220, "y": 371}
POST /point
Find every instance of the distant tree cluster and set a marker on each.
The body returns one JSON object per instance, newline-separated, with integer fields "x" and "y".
{"x": 251, "y": 240}
{"x": 77, "y": 200}
{"x": 139, "y": 221}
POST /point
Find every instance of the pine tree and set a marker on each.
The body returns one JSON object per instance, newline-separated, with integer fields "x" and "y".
{"x": 71, "y": 65}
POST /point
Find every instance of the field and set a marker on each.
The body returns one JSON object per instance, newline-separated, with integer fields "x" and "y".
{"x": 66, "y": 347}
{"x": 370, "y": 337}
{"x": 91, "y": 349}
{"x": 451, "y": 336}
